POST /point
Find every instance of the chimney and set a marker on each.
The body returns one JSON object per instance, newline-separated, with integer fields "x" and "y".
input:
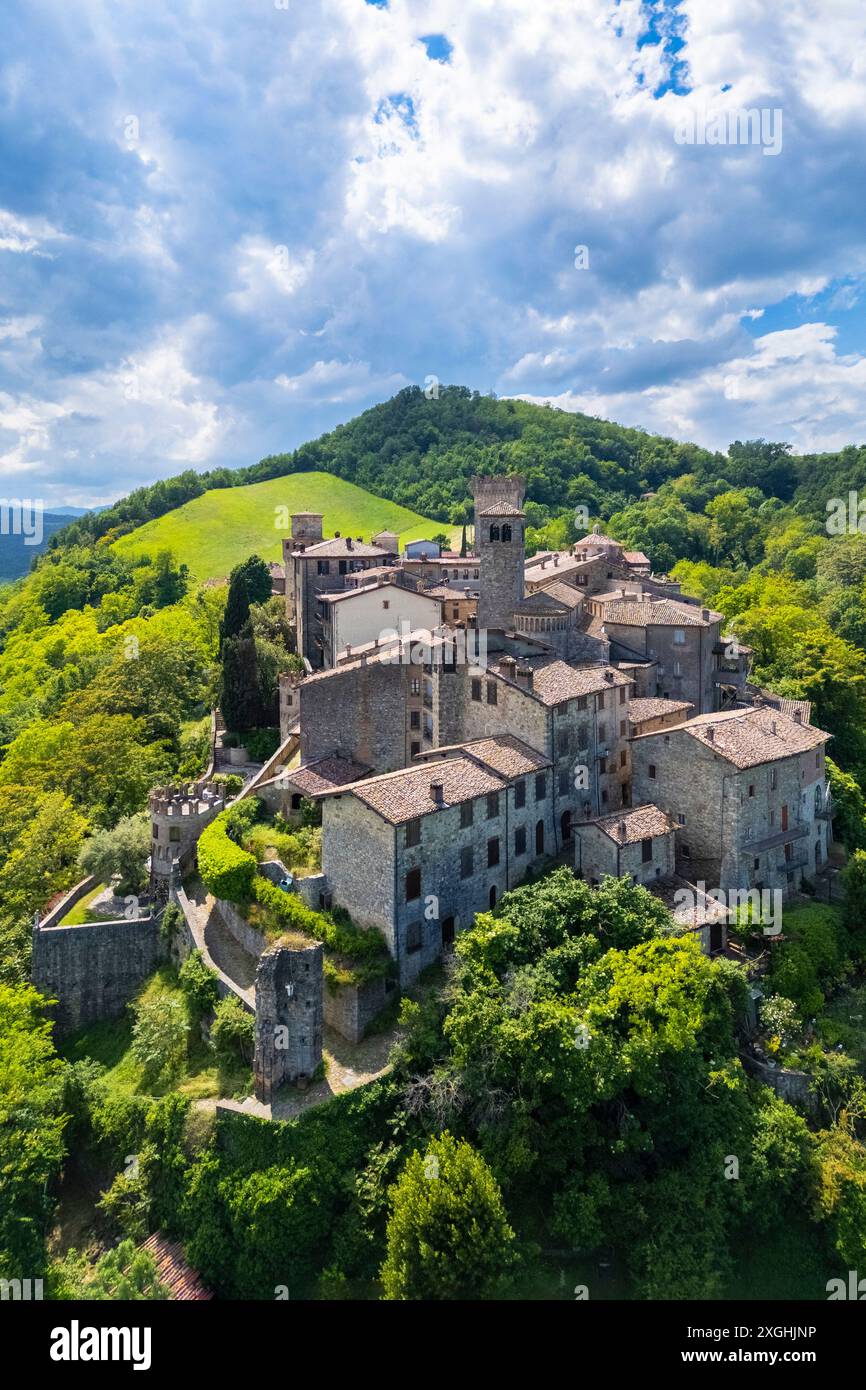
{"x": 711, "y": 734}
{"x": 348, "y": 649}
{"x": 608, "y": 675}
{"x": 336, "y": 535}
{"x": 773, "y": 726}
{"x": 705, "y": 614}
{"x": 437, "y": 793}
{"x": 556, "y": 558}
{"x": 348, "y": 542}
{"x": 363, "y": 658}
{"x": 622, "y": 828}
{"x": 524, "y": 675}
{"x": 798, "y": 716}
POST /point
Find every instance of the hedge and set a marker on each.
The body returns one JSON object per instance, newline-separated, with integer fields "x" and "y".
{"x": 226, "y": 870}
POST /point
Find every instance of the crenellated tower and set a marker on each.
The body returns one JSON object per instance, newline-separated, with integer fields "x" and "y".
{"x": 500, "y": 546}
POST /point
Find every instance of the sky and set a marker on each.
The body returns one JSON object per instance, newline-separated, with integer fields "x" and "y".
{"x": 228, "y": 225}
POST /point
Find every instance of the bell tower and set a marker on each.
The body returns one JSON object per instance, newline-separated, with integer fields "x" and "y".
{"x": 499, "y": 544}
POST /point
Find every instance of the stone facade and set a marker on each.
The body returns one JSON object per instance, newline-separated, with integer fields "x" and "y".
{"x": 177, "y": 817}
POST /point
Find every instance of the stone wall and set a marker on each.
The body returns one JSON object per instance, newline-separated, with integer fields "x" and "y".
{"x": 360, "y": 711}
{"x": 351, "y": 1009}
{"x": 94, "y": 970}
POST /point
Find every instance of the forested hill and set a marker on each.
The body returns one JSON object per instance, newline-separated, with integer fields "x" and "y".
{"x": 421, "y": 453}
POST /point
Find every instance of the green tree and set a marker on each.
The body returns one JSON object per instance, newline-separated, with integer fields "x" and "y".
{"x": 159, "y": 1037}
{"x": 448, "y": 1234}
{"x": 121, "y": 851}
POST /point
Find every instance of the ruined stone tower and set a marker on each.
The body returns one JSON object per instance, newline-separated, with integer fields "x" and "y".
{"x": 289, "y": 1016}
{"x": 499, "y": 544}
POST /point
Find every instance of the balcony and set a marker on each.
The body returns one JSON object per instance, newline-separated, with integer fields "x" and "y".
{"x": 778, "y": 837}
{"x": 825, "y": 812}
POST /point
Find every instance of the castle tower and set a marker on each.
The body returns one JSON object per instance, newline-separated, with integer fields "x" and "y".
{"x": 499, "y": 544}
{"x": 289, "y": 1015}
{"x": 306, "y": 531}
{"x": 177, "y": 817}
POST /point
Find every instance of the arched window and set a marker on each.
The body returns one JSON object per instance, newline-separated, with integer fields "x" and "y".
{"x": 494, "y": 533}
{"x": 506, "y": 532}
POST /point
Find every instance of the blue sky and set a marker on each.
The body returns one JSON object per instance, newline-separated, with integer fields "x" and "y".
{"x": 225, "y": 228}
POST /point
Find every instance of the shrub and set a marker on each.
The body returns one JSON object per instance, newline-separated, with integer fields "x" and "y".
{"x": 233, "y": 1031}
{"x": 199, "y": 983}
{"x": 232, "y": 781}
{"x": 226, "y": 870}
{"x": 159, "y": 1037}
{"x": 170, "y": 923}
{"x": 448, "y": 1233}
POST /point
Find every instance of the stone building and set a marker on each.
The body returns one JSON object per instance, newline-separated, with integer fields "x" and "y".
{"x": 358, "y": 616}
{"x": 416, "y": 853}
{"x": 638, "y": 844}
{"x": 683, "y": 641}
{"x": 499, "y": 541}
{"x": 748, "y": 789}
{"x": 314, "y": 567}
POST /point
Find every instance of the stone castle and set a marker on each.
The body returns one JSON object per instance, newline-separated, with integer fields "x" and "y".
{"x": 469, "y": 720}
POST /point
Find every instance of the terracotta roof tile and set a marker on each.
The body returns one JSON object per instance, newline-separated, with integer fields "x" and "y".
{"x": 650, "y": 708}
{"x": 629, "y": 826}
{"x": 324, "y": 775}
{"x": 749, "y": 737}
{"x": 665, "y": 612}
{"x": 173, "y": 1270}
{"x": 503, "y": 753}
{"x": 401, "y": 796}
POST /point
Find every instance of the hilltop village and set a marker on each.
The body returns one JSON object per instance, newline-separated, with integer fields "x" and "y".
{"x": 463, "y": 723}
{"x": 466, "y": 720}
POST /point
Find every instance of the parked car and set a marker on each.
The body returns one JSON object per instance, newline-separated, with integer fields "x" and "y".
{"x": 287, "y": 884}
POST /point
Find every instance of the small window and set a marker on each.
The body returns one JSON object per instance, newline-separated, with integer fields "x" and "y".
{"x": 466, "y": 816}
{"x": 467, "y": 864}
{"x": 646, "y": 851}
{"x": 817, "y": 759}
{"x": 540, "y": 786}
{"x": 476, "y": 690}
{"x": 679, "y": 636}
{"x": 602, "y": 733}
{"x": 751, "y": 789}
{"x": 414, "y": 748}
{"x": 414, "y": 719}
{"x": 174, "y": 833}
{"x": 519, "y": 795}
{"x": 564, "y": 784}
{"x": 622, "y": 728}
{"x": 623, "y": 757}
{"x": 343, "y": 567}
{"x": 651, "y": 771}
{"x": 413, "y": 937}
{"x": 581, "y": 702}
{"x": 602, "y": 765}
{"x": 520, "y": 840}
{"x": 492, "y": 805}
{"x": 685, "y": 852}
{"x": 323, "y": 567}
{"x": 492, "y": 853}
{"x": 156, "y": 832}
{"x": 756, "y": 864}
{"x": 774, "y": 778}
{"x": 413, "y": 833}
{"x": 681, "y": 820}
{"x": 416, "y": 685}
{"x": 623, "y": 694}
{"x": 599, "y": 704}
{"x": 386, "y": 603}
{"x": 413, "y": 885}
{"x": 491, "y": 693}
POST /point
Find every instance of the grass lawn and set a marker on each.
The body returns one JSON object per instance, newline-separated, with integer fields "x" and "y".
{"x": 214, "y": 532}
{"x": 110, "y": 1043}
{"x": 79, "y": 914}
{"x": 300, "y": 849}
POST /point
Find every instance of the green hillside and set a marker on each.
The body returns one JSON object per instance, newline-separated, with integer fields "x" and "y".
{"x": 217, "y": 530}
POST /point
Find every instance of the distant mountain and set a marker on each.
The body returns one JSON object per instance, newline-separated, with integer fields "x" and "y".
{"x": 16, "y": 556}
